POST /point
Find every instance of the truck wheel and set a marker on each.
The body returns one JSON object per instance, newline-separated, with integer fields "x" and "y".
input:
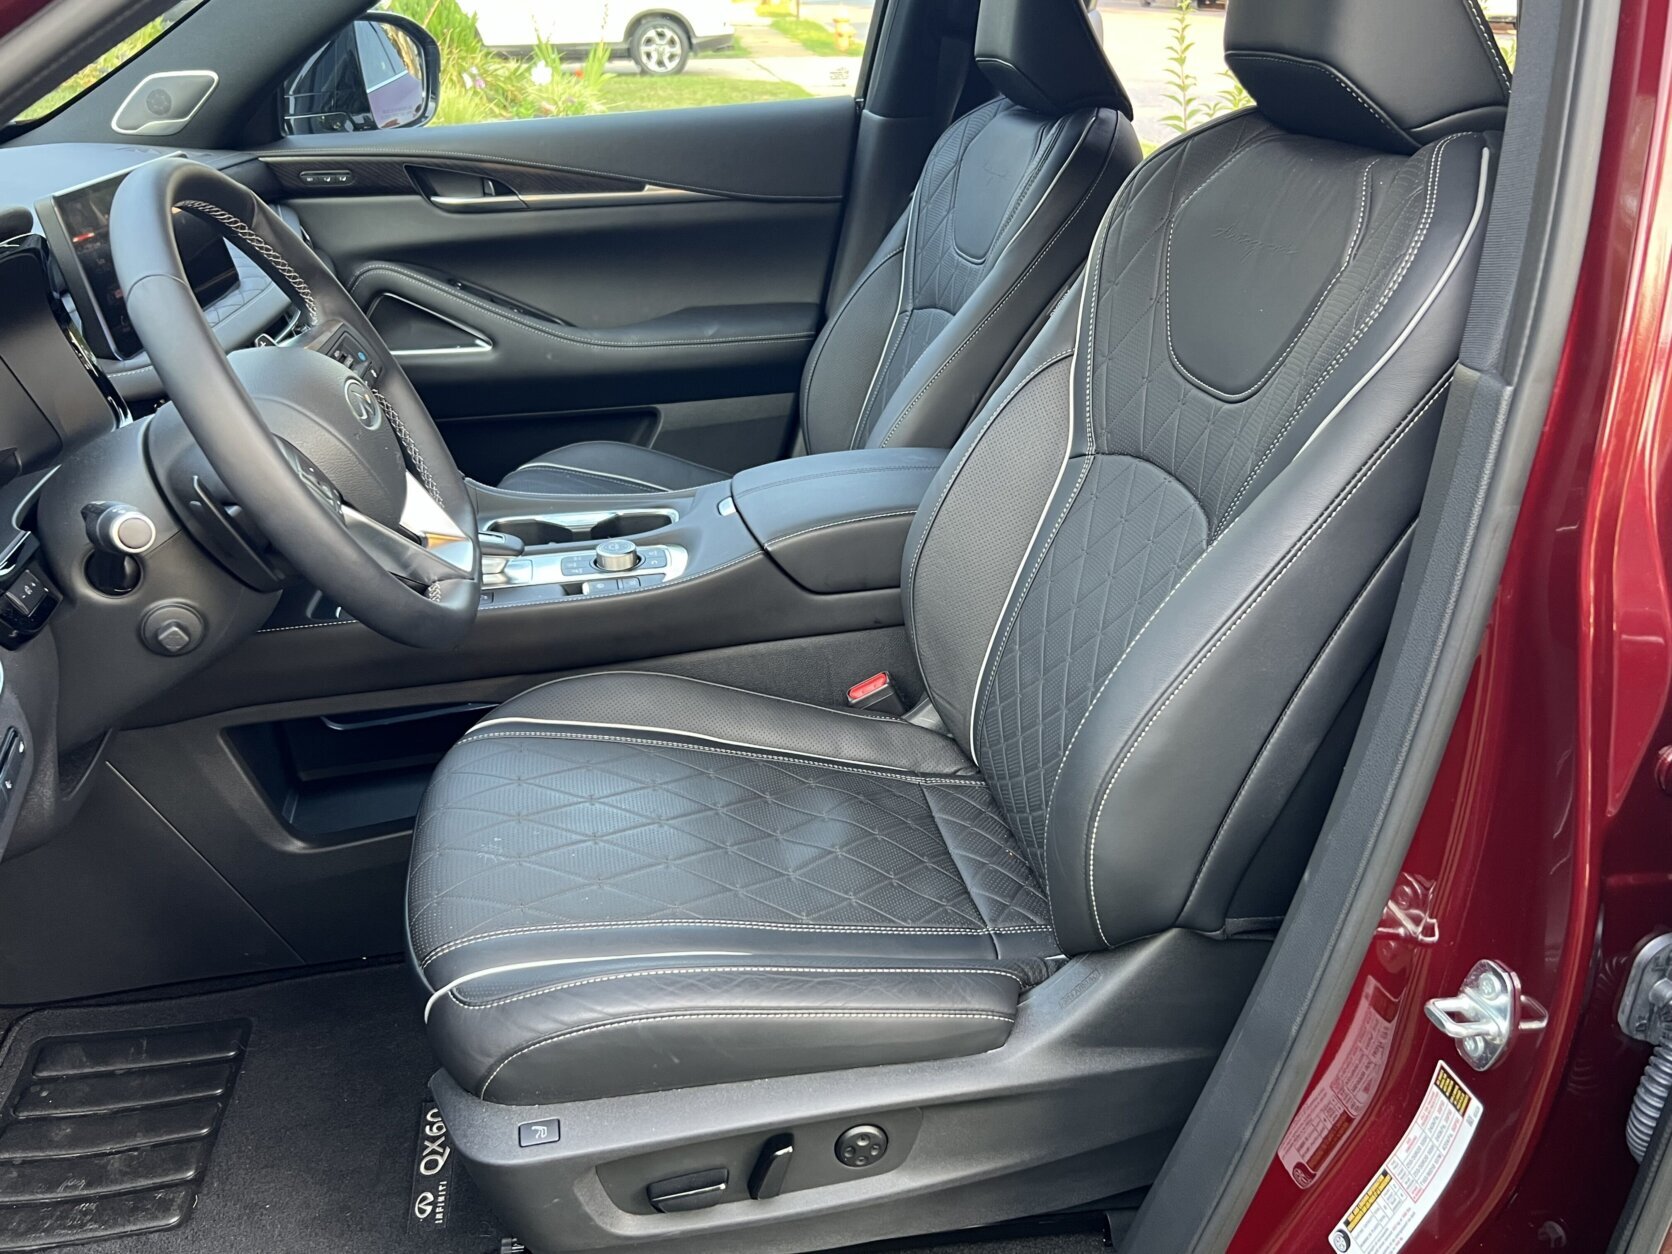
{"x": 660, "y": 46}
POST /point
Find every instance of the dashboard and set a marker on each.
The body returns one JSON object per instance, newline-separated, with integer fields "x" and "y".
{"x": 76, "y": 224}
{"x": 69, "y": 187}
{"x": 72, "y": 377}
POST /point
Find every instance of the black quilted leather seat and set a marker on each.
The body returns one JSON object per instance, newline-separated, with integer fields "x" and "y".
{"x": 1146, "y": 591}
{"x": 805, "y": 889}
{"x": 1000, "y": 221}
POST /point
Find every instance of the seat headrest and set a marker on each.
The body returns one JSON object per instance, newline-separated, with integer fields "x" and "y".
{"x": 1045, "y": 56}
{"x": 1388, "y": 74}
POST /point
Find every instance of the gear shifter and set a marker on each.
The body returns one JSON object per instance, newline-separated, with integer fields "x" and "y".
{"x": 497, "y": 549}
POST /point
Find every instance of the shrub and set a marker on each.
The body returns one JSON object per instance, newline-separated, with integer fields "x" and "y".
{"x": 478, "y": 85}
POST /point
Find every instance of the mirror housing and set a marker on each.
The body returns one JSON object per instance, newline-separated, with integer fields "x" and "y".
{"x": 379, "y": 72}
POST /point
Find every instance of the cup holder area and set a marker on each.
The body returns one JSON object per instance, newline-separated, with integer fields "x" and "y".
{"x": 632, "y": 524}
{"x": 545, "y": 530}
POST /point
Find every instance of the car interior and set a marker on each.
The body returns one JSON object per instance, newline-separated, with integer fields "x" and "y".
{"x": 760, "y": 677}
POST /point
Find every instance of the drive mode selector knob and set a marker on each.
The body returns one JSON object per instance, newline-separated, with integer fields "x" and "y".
{"x": 616, "y": 556}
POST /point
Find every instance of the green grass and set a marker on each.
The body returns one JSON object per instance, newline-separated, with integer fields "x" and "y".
{"x": 815, "y": 37}
{"x": 89, "y": 74}
{"x": 626, "y": 93}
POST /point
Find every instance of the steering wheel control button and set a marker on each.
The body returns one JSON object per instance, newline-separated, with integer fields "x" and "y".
{"x": 172, "y": 628}
{"x": 861, "y": 1146}
{"x": 616, "y": 556}
{"x": 543, "y": 1132}
{"x": 118, "y": 529}
{"x": 767, "y": 1179}
{"x": 696, "y": 1190}
{"x": 27, "y": 592}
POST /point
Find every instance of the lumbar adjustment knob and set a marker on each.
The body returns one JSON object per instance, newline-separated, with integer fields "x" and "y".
{"x": 616, "y": 556}
{"x": 861, "y": 1146}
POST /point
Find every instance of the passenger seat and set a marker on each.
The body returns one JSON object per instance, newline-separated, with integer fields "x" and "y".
{"x": 1004, "y": 214}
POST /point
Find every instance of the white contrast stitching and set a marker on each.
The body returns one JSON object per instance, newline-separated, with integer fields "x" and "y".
{"x": 565, "y": 985}
{"x": 814, "y": 929}
{"x": 1431, "y": 201}
{"x": 1287, "y": 563}
{"x": 1038, "y": 259}
{"x": 1317, "y": 305}
{"x": 786, "y": 757}
{"x": 1294, "y": 700}
{"x": 745, "y": 1014}
{"x": 271, "y": 255}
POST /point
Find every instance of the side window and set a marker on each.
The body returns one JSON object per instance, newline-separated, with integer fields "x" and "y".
{"x": 1170, "y": 54}
{"x": 505, "y": 59}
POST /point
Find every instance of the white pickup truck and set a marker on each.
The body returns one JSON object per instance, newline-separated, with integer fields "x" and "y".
{"x": 659, "y": 38}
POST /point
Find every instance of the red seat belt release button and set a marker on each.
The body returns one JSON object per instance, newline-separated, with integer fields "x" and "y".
{"x": 876, "y": 693}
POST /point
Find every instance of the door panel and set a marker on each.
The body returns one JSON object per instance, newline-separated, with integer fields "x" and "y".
{"x": 644, "y": 277}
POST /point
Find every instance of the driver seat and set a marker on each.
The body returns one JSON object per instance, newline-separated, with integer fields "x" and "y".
{"x": 1146, "y": 592}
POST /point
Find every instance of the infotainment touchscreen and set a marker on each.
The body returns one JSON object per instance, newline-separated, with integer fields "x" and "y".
{"x": 77, "y": 225}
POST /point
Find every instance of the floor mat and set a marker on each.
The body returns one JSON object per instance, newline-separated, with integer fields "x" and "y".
{"x": 317, "y": 1148}
{"x": 110, "y": 1134}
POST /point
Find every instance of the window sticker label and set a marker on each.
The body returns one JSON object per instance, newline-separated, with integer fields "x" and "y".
{"x": 1402, "y": 1193}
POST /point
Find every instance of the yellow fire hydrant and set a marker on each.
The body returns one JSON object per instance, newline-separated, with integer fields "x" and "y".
{"x": 842, "y": 26}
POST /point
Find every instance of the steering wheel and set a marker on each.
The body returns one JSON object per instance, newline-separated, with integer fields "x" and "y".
{"x": 322, "y": 441}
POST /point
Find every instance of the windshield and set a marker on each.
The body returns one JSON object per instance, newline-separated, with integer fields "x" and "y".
{"x": 95, "y": 72}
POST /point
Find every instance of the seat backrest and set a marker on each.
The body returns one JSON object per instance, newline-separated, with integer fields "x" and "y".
{"x": 1155, "y": 570}
{"x": 1002, "y": 216}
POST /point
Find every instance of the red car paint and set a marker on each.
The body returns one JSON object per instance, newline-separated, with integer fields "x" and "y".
{"x": 1545, "y": 818}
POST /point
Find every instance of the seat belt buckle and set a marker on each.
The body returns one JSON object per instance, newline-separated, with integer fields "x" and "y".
{"x": 876, "y": 693}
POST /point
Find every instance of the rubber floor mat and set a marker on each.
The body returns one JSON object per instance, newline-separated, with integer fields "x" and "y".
{"x": 109, "y": 1135}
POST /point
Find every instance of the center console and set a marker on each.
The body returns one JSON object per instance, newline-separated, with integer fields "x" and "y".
{"x": 811, "y": 547}
{"x": 833, "y": 523}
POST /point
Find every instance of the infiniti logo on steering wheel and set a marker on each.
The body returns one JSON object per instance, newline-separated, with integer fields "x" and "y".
{"x": 362, "y": 404}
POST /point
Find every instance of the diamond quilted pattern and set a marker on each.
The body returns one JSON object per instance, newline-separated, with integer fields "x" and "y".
{"x": 546, "y": 829}
{"x": 1168, "y": 465}
{"x": 1141, "y": 406}
{"x": 939, "y": 278}
{"x": 1127, "y": 537}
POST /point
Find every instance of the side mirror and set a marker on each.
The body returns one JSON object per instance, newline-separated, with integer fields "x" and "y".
{"x": 380, "y": 71}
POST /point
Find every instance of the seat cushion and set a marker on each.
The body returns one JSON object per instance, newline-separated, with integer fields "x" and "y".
{"x": 628, "y": 882}
{"x": 607, "y": 467}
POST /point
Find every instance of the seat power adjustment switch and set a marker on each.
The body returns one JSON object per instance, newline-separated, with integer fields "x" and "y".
{"x": 696, "y": 1190}
{"x": 861, "y": 1146}
{"x": 767, "y": 1179}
